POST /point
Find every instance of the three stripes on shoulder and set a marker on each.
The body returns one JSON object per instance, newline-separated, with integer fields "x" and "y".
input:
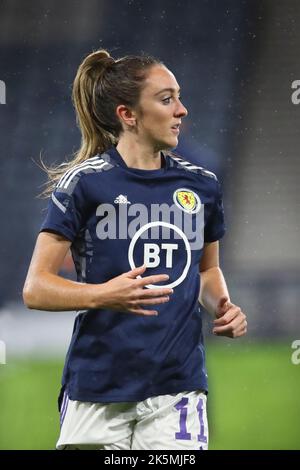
{"x": 95, "y": 163}
{"x": 190, "y": 166}
{"x": 64, "y": 184}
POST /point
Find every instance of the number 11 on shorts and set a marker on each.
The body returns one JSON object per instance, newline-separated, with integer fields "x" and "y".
{"x": 183, "y": 434}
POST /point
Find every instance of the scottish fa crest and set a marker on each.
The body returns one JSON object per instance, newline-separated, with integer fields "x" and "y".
{"x": 187, "y": 200}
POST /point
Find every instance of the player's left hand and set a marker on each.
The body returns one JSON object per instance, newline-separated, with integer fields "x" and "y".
{"x": 230, "y": 321}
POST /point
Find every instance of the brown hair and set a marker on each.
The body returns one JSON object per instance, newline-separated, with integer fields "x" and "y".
{"x": 101, "y": 84}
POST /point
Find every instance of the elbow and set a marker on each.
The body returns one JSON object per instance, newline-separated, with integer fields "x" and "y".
{"x": 29, "y": 296}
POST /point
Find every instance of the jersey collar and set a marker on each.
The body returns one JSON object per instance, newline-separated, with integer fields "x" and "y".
{"x": 115, "y": 155}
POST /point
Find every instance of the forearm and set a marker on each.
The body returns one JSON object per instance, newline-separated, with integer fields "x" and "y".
{"x": 213, "y": 287}
{"x": 48, "y": 291}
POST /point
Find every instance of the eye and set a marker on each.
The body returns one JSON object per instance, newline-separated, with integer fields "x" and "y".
{"x": 167, "y": 100}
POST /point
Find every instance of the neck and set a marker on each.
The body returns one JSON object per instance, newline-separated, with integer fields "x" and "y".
{"x": 139, "y": 156}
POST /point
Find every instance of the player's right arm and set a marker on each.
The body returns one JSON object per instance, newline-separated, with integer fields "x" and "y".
{"x": 45, "y": 289}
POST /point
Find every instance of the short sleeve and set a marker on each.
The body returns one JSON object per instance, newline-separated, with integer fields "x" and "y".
{"x": 65, "y": 213}
{"x": 215, "y": 225}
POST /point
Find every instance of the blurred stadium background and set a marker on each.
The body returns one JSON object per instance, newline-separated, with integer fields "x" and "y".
{"x": 235, "y": 61}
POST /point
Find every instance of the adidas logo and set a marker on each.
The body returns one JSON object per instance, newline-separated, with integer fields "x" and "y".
{"x": 121, "y": 200}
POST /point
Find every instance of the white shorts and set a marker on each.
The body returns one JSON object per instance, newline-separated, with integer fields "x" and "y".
{"x": 177, "y": 421}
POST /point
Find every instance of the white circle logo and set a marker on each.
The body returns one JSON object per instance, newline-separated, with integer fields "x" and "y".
{"x": 183, "y": 275}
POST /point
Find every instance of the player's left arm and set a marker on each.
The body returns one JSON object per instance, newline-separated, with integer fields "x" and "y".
{"x": 214, "y": 297}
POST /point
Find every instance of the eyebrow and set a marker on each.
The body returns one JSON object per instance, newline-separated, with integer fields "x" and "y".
{"x": 172, "y": 90}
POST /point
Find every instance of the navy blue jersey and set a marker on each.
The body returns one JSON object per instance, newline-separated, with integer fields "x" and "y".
{"x": 119, "y": 218}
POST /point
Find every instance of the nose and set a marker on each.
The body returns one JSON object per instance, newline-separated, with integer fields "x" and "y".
{"x": 181, "y": 110}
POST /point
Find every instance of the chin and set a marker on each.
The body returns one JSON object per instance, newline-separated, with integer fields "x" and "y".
{"x": 166, "y": 144}
{"x": 171, "y": 144}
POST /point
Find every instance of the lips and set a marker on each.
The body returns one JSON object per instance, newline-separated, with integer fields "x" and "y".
{"x": 175, "y": 129}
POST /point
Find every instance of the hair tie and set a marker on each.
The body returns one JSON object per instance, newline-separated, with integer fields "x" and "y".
{"x": 108, "y": 62}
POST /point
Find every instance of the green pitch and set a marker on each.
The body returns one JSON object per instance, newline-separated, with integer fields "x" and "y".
{"x": 254, "y": 396}
{"x": 253, "y": 402}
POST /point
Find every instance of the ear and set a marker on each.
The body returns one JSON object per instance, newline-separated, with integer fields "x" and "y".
{"x": 126, "y": 115}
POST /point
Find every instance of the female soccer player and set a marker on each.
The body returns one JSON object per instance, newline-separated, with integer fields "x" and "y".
{"x": 143, "y": 226}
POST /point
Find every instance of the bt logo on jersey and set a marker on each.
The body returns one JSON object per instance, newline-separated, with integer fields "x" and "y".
{"x": 152, "y": 254}
{"x": 162, "y": 254}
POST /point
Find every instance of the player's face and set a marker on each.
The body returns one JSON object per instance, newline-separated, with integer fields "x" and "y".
{"x": 160, "y": 109}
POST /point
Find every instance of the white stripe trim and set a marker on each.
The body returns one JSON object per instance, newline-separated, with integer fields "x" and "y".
{"x": 209, "y": 172}
{"x": 91, "y": 161}
{"x": 62, "y": 408}
{"x": 58, "y": 204}
{"x": 181, "y": 161}
{"x": 71, "y": 169}
{"x": 193, "y": 167}
{"x": 98, "y": 167}
{"x": 176, "y": 158}
{"x": 63, "y": 414}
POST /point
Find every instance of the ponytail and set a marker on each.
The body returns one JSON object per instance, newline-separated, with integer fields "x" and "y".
{"x": 95, "y": 139}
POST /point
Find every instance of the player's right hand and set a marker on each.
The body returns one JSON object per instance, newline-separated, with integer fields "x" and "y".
{"x": 126, "y": 293}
